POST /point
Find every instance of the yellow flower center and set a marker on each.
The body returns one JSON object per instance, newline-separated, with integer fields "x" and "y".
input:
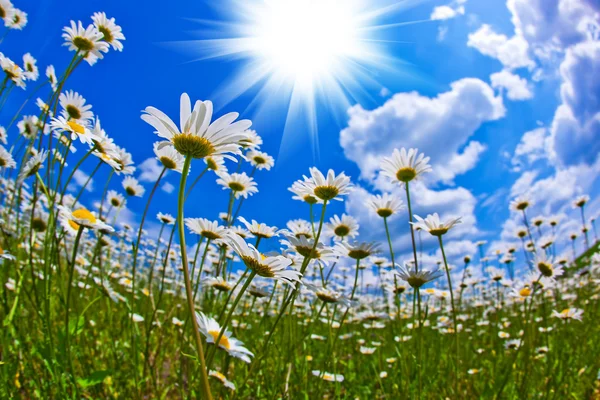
{"x": 223, "y": 342}
{"x": 75, "y": 127}
{"x": 525, "y": 292}
{"x": 188, "y": 144}
{"x": 406, "y": 174}
{"x": 81, "y": 214}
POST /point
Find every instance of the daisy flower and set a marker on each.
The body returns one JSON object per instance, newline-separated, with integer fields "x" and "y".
{"x": 404, "y": 166}
{"x": 297, "y": 228}
{"x": 221, "y": 378}
{"x": 28, "y": 126}
{"x": 51, "y": 75}
{"x": 252, "y": 140}
{"x": 19, "y": 20}
{"x": 545, "y": 264}
{"x": 520, "y": 203}
{"x": 415, "y": 279}
{"x": 513, "y": 344}
{"x": 3, "y": 137}
{"x": 6, "y": 256}
{"x": 111, "y": 32}
{"x": 260, "y": 160}
{"x": 196, "y": 136}
{"x": 304, "y": 246}
{"x": 211, "y": 329}
{"x": 568, "y": 314}
{"x": 215, "y": 163}
{"x": 330, "y": 187}
{"x": 581, "y": 201}
{"x": 132, "y": 187}
{"x": 33, "y": 165}
{"x": 74, "y": 128}
{"x": 74, "y": 107}
{"x": 266, "y": 266}
{"x": 117, "y": 200}
{"x": 208, "y": 229}
{"x": 433, "y": 225}
{"x": 303, "y": 193}
{"x": 71, "y": 220}
{"x": 357, "y": 251}
{"x": 12, "y": 71}
{"x": 346, "y": 226}
{"x": 328, "y": 295}
{"x": 218, "y": 283}
{"x": 385, "y": 205}
{"x": 240, "y": 184}
{"x": 327, "y": 376}
{"x": 7, "y": 11}
{"x": 165, "y": 218}
{"x": 6, "y": 159}
{"x": 259, "y": 229}
{"x": 30, "y": 69}
{"x": 169, "y": 157}
{"x": 124, "y": 161}
{"x": 88, "y": 42}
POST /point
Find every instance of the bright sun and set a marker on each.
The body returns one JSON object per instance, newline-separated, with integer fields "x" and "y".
{"x": 304, "y": 55}
{"x": 306, "y": 39}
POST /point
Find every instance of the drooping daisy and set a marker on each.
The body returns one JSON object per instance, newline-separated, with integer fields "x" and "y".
{"x": 196, "y": 136}
{"x": 215, "y": 163}
{"x": 330, "y": 187}
{"x": 240, "y": 184}
{"x": 218, "y": 283}
{"x": 385, "y": 205}
{"x": 404, "y": 166}
{"x": 51, "y": 75}
{"x": 259, "y": 229}
{"x": 221, "y": 378}
{"x": 74, "y": 107}
{"x": 6, "y": 159}
{"x": 274, "y": 267}
{"x": 211, "y": 329}
{"x": 408, "y": 273}
{"x": 303, "y": 193}
{"x": 205, "y": 228}
{"x": 12, "y": 71}
{"x": 71, "y": 220}
{"x": 33, "y": 165}
{"x": 568, "y": 314}
{"x": 340, "y": 228}
{"x": 112, "y": 33}
{"x": 30, "y": 69}
{"x": 260, "y": 160}
{"x": 132, "y": 187}
{"x": 433, "y": 225}
{"x": 327, "y": 376}
{"x": 88, "y": 42}
{"x": 169, "y": 157}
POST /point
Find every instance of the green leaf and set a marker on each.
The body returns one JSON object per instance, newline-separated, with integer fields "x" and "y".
{"x": 94, "y": 379}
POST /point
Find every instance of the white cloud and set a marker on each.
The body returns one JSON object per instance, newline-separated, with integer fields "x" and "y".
{"x": 80, "y": 178}
{"x": 512, "y": 53}
{"x": 439, "y": 126}
{"x": 150, "y": 170}
{"x": 516, "y": 87}
{"x": 534, "y": 145}
{"x": 446, "y": 12}
{"x": 523, "y": 183}
{"x": 167, "y": 187}
{"x": 576, "y": 125}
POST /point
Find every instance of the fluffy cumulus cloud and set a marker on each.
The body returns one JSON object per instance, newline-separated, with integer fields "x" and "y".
{"x": 576, "y": 125}
{"x": 80, "y": 178}
{"x": 516, "y": 87}
{"x": 446, "y": 12}
{"x": 511, "y": 52}
{"x": 440, "y": 126}
{"x": 149, "y": 170}
{"x": 534, "y": 145}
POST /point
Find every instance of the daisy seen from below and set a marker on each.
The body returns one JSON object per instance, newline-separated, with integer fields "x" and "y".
{"x": 408, "y": 273}
{"x": 33, "y": 165}
{"x": 208, "y": 229}
{"x": 73, "y": 220}
{"x": 12, "y": 71}
{"x": 222, "y": 378}
{"x": 112, "y": 33}
{"x": 403, "y": 166}
{"x": 433, "y": 225}
{"x": 169, "y": 157}
{"x": 241, "y": 185}
{"x": 19, "y": 20}
{"x": 260, "y": 160}
{"x": 343, "y": 227}
{"x": 196, "y": 136}
{"x": 546, "y": 265}
{"x": 86, "y": 42}
{"x": 132, "y": 187}
{"x": 211, "y": 329}
{"x": 274, "y": 267}
{"x": 520, "y": 203}
{"x": 73, "y": 107}
{"x": 30, "y": 69}
{"x": 73, "y": 128}
{"x": 330, "y": 187}
{"x": 357, "y": 251}
{"x": 6, "y": 159}
{"x": 385, "y": 205}
{"x": 7, "y": 11}
{"x": 259, "y": 229}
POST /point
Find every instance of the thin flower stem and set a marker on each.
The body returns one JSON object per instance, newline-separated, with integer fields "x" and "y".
{"x": 412, "y": 232}
{"x": 188, "y": 285}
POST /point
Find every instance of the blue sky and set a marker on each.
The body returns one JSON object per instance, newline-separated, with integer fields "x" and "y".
{"x": 466, "y": 90}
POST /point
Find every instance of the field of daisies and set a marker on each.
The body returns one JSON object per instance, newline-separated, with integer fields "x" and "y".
{"x": 93, "y": 308}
